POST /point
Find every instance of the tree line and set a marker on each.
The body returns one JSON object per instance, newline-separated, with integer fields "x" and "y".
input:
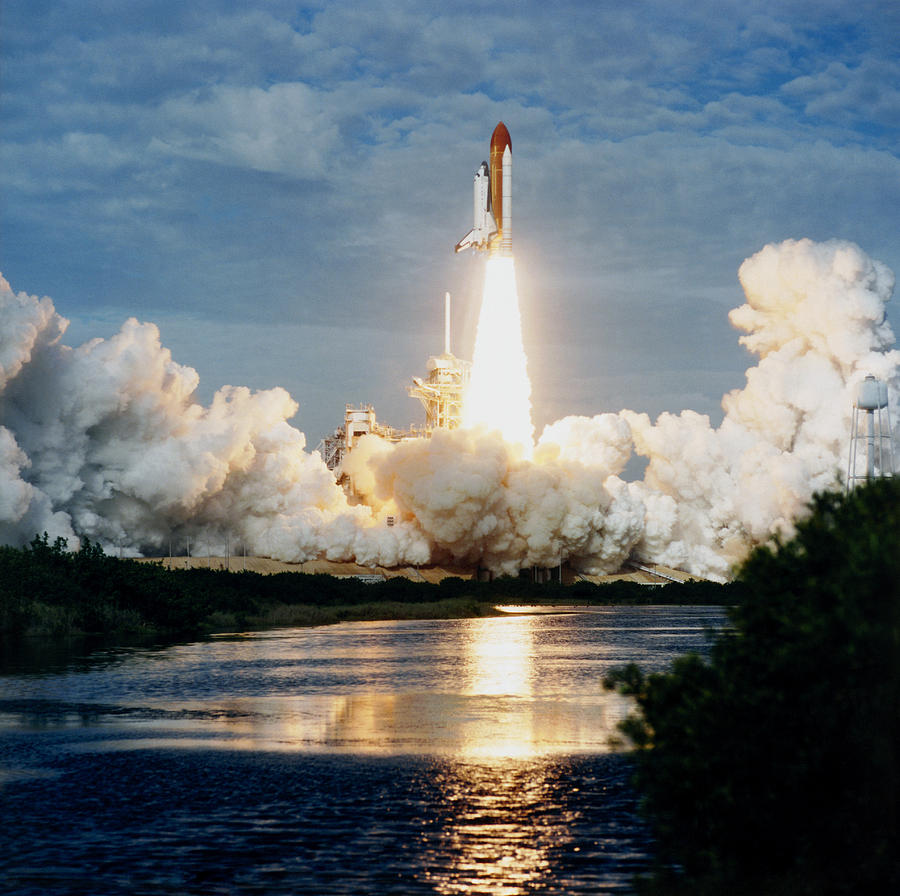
{"x": 45, "y": 589}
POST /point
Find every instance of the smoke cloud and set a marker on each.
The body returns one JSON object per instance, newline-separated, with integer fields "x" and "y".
{"x": 815, "y": 315}
{"x": 107, "y": 441}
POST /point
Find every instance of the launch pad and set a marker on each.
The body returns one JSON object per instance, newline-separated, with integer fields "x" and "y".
{"x": 441, "y": 393}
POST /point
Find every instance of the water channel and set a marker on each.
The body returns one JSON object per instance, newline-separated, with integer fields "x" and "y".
{"x": 447, "y": 757}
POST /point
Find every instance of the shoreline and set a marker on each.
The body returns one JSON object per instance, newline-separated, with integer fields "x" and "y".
{"x": 48, "y": 591}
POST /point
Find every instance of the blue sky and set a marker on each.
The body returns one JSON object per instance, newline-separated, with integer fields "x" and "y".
{"x": 278, "y": 186}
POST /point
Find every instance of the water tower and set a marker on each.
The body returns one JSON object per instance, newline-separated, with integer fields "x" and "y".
{"x": 870, "y": 436}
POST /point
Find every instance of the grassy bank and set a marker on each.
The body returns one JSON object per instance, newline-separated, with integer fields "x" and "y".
{"x": 297, "y": 615}
{"x": 48, "y": 591}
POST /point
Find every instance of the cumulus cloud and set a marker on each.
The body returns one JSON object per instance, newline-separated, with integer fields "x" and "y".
{"x": 108, "y": 441}
{"x": 841, "y": 92}
{"x": 285, "y": 128}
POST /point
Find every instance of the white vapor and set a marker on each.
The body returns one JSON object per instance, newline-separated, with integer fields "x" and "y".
{"x": 815, "y": 314}
{"x": 106, "y": 441}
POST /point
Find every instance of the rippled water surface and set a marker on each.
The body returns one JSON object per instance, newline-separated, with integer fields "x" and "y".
{"x": 465, "y": 756}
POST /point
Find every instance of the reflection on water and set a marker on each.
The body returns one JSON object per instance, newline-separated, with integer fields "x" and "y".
{"x": 21, "y": 656}
{"x": 526, "y": 718}
{"x": 468, "y": 756}
{"x": 195, "y": 822}
{"x": 516, "y": 686}
{"x": 499, "y": 663}
{"x": 500, "y": 655}
{"x": 499, "y": 833}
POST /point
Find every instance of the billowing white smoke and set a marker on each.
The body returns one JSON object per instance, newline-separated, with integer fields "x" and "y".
{"x": 478, "y": 501}
{"x": 815, "y": 314}
{"x": 107, "y": 441}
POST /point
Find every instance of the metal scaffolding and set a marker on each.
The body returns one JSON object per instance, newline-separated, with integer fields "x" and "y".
{"x": 359, "y": 421}
{"x": 442, "y": 392}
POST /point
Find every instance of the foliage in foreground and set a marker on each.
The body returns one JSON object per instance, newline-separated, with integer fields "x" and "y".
{"x": 47, "y": 590}
{"x": 779, "y": 758}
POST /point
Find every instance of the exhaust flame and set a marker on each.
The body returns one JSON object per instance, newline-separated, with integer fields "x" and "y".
{"x": 499, "y": 393}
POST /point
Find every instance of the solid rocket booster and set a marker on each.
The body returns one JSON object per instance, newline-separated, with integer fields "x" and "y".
{"x": 492, "y": 227}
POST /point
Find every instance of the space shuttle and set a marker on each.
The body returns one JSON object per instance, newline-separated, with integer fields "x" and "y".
{"x": 492, "y": 227}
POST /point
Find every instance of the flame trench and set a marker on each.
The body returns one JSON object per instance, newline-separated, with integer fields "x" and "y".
{"x": 499, "y": 393}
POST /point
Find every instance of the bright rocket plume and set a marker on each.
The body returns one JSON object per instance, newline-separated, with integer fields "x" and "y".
{"x": 107, "y": 441}
{"x": 499, "y": 392}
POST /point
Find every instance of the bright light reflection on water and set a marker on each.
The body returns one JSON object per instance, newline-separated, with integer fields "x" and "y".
{"x": 516, "y": 686}
{"x": 487, "y": 839}
{"x": 470, "y": 756}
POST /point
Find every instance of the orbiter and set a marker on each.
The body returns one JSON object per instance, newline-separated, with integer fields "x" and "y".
{"x": 492, "y": 229}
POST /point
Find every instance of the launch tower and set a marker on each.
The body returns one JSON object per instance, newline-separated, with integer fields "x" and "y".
{"x": 442, "y": 391}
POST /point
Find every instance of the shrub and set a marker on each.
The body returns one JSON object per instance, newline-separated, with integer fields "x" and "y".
{"x": 780, "y": 756}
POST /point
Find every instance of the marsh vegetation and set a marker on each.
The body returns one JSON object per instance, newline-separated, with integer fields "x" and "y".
{"x": 47, "y": 590}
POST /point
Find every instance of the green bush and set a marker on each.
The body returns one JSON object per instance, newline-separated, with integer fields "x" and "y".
{"x": 779, "y": 758}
